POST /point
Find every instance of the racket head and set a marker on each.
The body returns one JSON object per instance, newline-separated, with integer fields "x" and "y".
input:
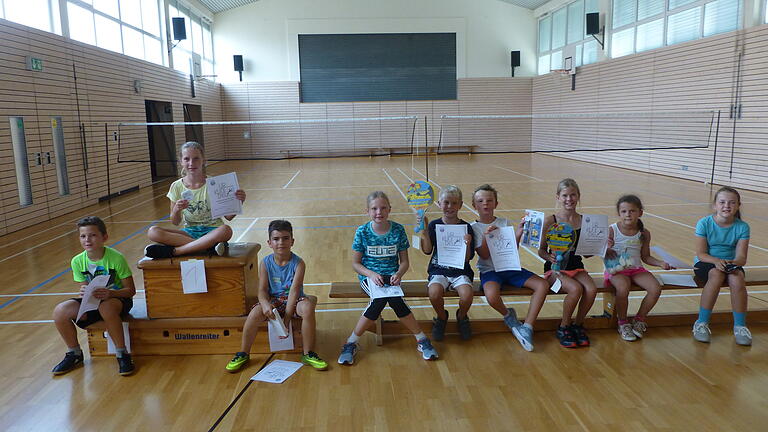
{"x": 560, "y": 237}
{"x": 420, "y": 195}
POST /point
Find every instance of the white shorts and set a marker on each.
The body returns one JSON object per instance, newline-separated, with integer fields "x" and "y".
{"x": 449, "y": 283}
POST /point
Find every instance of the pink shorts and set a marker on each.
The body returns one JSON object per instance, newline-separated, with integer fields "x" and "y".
{"x": 626, "y": 272}
{"x": 569, "y": 273}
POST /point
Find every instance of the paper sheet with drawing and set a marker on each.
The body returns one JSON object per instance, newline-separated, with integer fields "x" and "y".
{"x": 221, "y": 194}
{"x": 193, "y": 276}
{"x": 502, "y": 244}
{"x": 451, "y": 248}
{"x": 276, "y": 331}
{"x": 277, "y": 372}
{"x": 90, "y": 302}
{"x": 378, "y": 291}
{"x": 594, "y": 235}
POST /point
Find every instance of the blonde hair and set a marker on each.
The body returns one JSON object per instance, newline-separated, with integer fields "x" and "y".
{"x": 566, "y": 183}
{"x": 487, "y": 188}
{"x": 376, "y": 195}
{"x": 450, "y": 190}
{"x": 193, "y": 145}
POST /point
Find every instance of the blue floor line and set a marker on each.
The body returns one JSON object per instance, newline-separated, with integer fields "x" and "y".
{"x": 63, "y": 272}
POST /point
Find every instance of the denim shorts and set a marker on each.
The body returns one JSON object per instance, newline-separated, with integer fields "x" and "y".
{"x": 197, "y": 231}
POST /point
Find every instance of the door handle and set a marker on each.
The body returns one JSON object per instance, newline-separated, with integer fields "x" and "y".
{"x": 48, "y": 156}
{"x": 38, "y": 159}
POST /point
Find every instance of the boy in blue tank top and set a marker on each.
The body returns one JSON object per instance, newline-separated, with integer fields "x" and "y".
{"x": 281, "y": 287}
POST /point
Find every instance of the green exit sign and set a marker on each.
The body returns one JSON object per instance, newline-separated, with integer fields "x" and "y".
{"x": 34, "y": 64}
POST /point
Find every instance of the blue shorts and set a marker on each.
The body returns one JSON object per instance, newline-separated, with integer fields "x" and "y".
{"x": 510, "y": 277}
{"x": 197, "y": 231}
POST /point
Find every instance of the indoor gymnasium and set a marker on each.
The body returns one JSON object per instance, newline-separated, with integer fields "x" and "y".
{"x": 383, "y": 215}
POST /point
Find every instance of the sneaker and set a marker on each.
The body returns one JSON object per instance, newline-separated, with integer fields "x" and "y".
{"x": 438, "y": 327}
{"x": 241, "y": 359}
{"x": 701, "y": 332}
{"x": 625, "y": 330}
{"x": 511, "y": 320}
{"x": 125, "y": 365}
{"x": 71, "y": 361}
{"x": 566, "y": 337}
{"x": 311, "y": 358}
{"x": 221, "y": 249}
{"x": 348, "y": 352}
{"x": 158, "y": 251}
{"x": 524, "y": 335}
{"x": 428, "y": 352}
{"x": 465, "y": 329}
{"x": 580, "y": 334}
{"x": 639, "y": 328}
{"x": 743, "y": 336}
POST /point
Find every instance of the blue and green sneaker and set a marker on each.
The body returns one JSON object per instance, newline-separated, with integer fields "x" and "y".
{"x": 237, "y": 363}
{"x": 311, "y": 358}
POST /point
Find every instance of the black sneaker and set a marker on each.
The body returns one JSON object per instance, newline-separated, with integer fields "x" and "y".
{"x": 158, "y": 251}
{"x": 125, "y": 364}
{"x": 580, "y": 334}
{"x": 438, "y": 328}
{"x": 71, "y": 361}
{"x": 566, "y": 337}
{"x": 465, "y": 329}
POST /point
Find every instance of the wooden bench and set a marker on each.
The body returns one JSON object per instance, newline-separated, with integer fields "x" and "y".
{"x": 755, "y": 277}
{"x": 232, "y": 282}
{"x": 184, "y": 336}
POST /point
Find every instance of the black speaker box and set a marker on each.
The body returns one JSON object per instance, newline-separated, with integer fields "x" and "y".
{"x": 179, "y": 28}
{"x": 238, "y": 63}
{"x": 593, "y": 23}
{"x": 515, "y": 55}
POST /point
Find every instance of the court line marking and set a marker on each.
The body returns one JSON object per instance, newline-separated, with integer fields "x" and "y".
{"x": 518, "y": 173}
{"x": 234, "y": 401}
{"x": 246, "y": 230}
{"x": 395, "y": 184}
{"x": 294, "y": 176}
{"x": 692, "y": 227}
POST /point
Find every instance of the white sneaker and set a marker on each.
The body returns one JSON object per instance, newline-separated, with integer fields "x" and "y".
{"x": 639, "y": 328}
{"x": 742, "y": 335}
{"x": 701, "y": 332}
{"x": 625, "y": 330}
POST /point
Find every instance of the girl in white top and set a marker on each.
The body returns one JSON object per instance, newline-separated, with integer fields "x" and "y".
{"x": 629, "y": 247}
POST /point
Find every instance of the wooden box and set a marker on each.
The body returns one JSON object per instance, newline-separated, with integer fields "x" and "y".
{"x": 183, "y": 336}
{"x": 232, "y": 285}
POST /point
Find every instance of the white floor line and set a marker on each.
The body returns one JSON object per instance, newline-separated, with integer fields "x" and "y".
{"x": 533, "y": 254}
{"x": 692, "y": 227}
{"x": 27, "y": 322}
{"x": 240, "y": 237}
{"x": 289, "y": 181}
{"x": 395, "y": 185}
{"x": 405, "y": 175}
{"x": 518, "y": 173}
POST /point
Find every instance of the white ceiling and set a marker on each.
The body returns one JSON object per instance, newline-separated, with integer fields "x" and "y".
{"x": 217, "y": 6}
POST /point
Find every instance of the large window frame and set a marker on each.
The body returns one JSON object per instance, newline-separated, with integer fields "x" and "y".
{"x": 32, "y": 11}
{"x": 563, "y": 32}
{"x": 620, "y": 35}
{"x": 199, "y": 40}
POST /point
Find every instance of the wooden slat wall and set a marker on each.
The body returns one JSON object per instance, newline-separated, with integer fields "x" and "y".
{"x": 280, "y": 100}
{"x": 697, "y": 75}
{"x": 105, "y": 94}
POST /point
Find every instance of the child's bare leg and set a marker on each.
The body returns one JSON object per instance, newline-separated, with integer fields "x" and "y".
{"x": 465, "y": 299}
{"x": 363, "y": 324}
{"x": 436, "y": 298}
{"x": 573, "y": 291}
{"x": 649, "y": 283}
{"x": 492, "y": 292}
{"x": 588, "y": 295}
{"x": 220, "y": 234}
{"x": 168, "y": 236}
{"x": 712, "y": 288}
{"x": 63, "y": 314}
{"x": 110, "y": 311}
{"x": 251, "y": 328}
{"x": 539, "y": 296}
{"x": 621, "y": 285}
{"x": 306, "y": 310}
{"x": 409, "y": 321}
{"x": 738, "y": 291}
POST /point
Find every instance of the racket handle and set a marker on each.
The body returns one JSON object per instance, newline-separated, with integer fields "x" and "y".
{"x": 419, "y": 220}
{"x": 556, "y": 265}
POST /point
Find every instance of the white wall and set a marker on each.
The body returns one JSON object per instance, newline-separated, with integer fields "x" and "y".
{"x": 265, "y": 32}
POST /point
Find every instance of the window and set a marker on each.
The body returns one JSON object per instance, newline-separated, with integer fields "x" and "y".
{"x": 130, "y": 27}
{"x": 563, "y": 34}
{"x": 199, "y": 41}
{"x": 38, "y": 14}
{"x": 641, "y": 25}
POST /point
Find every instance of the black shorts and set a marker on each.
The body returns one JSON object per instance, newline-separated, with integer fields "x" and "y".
{"x": 376, "y": 306}
{"x": 93, "y": 316}
{"x": 701, "y": 270}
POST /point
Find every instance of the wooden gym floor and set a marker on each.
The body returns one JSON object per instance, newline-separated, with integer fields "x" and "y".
{"x": 665, "y": 382}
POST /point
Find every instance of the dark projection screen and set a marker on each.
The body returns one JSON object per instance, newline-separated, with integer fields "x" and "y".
{"x": 377, "y": 67}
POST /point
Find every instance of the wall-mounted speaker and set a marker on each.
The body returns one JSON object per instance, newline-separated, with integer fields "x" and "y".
{"x": 515, "y": 56}
{"x": 238, "y": 63}
{"x": 593, "y": 23}
{"x": 179, "y": 28}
